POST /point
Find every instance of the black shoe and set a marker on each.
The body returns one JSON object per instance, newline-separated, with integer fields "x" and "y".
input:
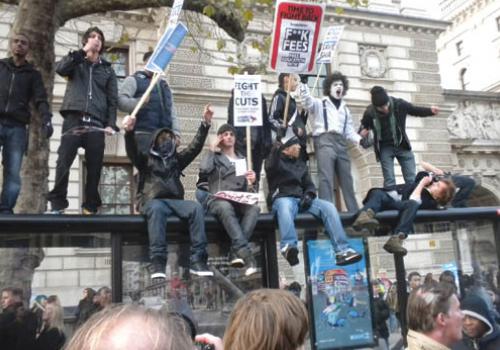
{"x": 291, "y": 254}
{"x": 201, "y": 269}
{"x": 347, "y": 257}
{"x": 158, "y": 270}
{"x": 394, "y": 245}
{"x": 236, "y": 261}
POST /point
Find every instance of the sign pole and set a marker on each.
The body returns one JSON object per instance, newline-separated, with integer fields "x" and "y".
{"x": 146, "y": 94}
{"x": 317, "y": 77}
{"x": 249, "y": 148}
{"x": 287, "y": 102}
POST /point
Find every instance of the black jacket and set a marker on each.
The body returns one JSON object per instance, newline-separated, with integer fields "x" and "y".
{"x": 381, "y": 314}
{"x": 401, "y": 110}
{"x": 287, "y": 177}
{"x": 92, "y": 88}
{"x": 17, "y": 328}
{"x": 19, "y": 86}
{"x": 260, "y": 135}
{"x": 50, "y": 339}
{"x": 220, "y": 173}
{"x": 162, "y": 176}
{"x": 487, "y": 342}
{"x": 405, "y": 190}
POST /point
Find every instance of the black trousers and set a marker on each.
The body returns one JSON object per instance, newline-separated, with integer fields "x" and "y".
{"x": 93, "y": 144}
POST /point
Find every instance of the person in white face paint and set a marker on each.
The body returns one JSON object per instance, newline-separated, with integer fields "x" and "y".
{"x": 332, "y": 129}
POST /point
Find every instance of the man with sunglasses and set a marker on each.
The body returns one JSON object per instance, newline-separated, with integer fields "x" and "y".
{"x": 386, "y": 117}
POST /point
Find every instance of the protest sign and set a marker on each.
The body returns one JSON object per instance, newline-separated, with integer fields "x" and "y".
{"x": 166, "y": 48}
{"x": 238, "y": 197}
{"x": 247, "y": 101}
{"x": 329, "y": 44}
{"x": 295, "y": 36}
{"x": 172, "y": 22}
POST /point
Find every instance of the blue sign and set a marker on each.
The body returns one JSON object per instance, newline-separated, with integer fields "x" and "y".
{"x": 166, "y": 47}
{"x": 339, "y": 298}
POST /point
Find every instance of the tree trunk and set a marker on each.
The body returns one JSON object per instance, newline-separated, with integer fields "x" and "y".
{"x": 35, "y": 18}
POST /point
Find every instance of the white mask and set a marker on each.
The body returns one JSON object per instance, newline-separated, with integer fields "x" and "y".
{"x": 337, "y": 89}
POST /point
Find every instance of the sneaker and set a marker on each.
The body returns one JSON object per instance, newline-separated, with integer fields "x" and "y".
{"x": 347, "y": 257}
{"x": 55, "y": 212}
{"x": 366, "y": 219}
{"x": 236, "y": 261}
{"x": 291, "y": 254}
{"x": 251, "y": 265}
{"x": 200, "y": 269}
{"x": 394, "y": 245}
{"x": 86, "y": 211}
{"x": 158, "y": 270}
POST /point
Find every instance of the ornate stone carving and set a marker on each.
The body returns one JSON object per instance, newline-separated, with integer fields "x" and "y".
{"x": 475, "y": 121}
{"x": 373, "y": 62}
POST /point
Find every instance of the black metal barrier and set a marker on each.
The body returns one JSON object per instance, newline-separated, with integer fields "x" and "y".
{"x": 134, "y": 226}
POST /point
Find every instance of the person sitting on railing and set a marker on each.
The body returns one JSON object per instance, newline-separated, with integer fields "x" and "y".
{"x": 426, "y": 192}
{"x": 163, "y": 196}
{"x": 239, "y": 219}
{"x": 291, "y": 191}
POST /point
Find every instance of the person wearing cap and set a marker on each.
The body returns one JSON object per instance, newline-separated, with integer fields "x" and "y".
{"x": 158, "y": 112}
{"x": 291, "y": 191}
{"x": 386, "y": 117}
{"x": 239, "y": 220}
{"x": 480, "y": 332}
{"x": 163, "y": 197}
{"x": 332, "y": 130}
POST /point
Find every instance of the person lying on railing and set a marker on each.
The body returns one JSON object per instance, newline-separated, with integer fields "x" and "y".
{"x": 292, "y": 191}
{"x": 226, "y": 170}
{"x": 426, "y": 192}
{"x": 163, "y": 196}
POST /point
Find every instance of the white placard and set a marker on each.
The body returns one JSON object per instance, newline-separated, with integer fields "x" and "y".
{"x": 240, "y": 165}
{"x": 247, "y": 100}
{"x": 238, "y": 197}
{"x": 329, "y": 44}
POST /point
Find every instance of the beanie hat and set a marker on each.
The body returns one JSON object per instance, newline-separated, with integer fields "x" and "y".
{"x": 290, "y": 142}
{"x": 379, "y": 96}
{"x": 477, "y": 308}
{"x": 226, "y": 127}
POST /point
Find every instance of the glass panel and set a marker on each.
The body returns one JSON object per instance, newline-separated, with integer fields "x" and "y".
{"x": 59, "y": 264}
{"x": 115, "y": 189}
{"x": 210, "y": 299}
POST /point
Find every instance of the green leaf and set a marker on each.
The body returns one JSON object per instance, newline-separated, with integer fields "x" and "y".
{"x": 209, "y": 11}
{"x": 230, "y": 59}
{"x": 233, "y": 70}
{"x": 221, "y": 43}
{"x": 339, "y": 10}
{"x": 248, "y": 15}
{"x": 194, "y": 49}
{"x": 238, "y": 4}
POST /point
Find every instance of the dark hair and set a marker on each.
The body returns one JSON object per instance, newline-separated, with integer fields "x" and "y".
{"x": 91, "y": 30}
{"x": 146, "y": 56}
{"x": 281, "y": 79}
{"x": 414, "y": 273}
{"x": 327, "y": 83}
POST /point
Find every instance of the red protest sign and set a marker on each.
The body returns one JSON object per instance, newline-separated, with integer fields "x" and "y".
{"x": 295, "y": 36}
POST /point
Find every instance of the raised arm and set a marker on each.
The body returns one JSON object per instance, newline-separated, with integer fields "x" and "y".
{"x": 431, "y": 168}
{"x": 67, "y": 65}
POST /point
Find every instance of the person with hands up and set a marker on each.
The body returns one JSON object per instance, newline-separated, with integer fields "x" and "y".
{"x": 291, "y": 191}
{"x": 22, "y": 83}
{"x": 426, "y": 192}
{"x": 221, "y": 167}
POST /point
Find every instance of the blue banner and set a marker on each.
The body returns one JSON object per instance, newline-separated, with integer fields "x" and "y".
{"x": 165, "y": 50}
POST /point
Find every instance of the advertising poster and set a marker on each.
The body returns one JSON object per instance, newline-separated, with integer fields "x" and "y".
{"x": 329, "y": 44}
{"x": 339, "y": 298}
{"x": 295, "y": 36}
{"x": 247, "y": 100}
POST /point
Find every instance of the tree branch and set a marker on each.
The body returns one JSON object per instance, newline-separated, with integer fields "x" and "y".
{"x": 225, "y": 17}
{"x": 10, "y": 2}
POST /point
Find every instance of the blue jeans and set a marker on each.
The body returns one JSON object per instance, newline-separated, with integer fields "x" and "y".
{"x": 157, "y": 212}
{"x": 13, "y": 144}
{"x": 285, "y": 210}
{"x": 406, "y": 160}
{"x": 378, "y": 200}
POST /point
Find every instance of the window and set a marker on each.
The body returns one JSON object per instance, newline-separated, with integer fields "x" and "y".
{"x": 460, "y": 47}
{"x": 118, "y": 57}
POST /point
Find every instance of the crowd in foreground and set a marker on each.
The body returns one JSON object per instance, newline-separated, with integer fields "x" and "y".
{"x": 263, "y": 319}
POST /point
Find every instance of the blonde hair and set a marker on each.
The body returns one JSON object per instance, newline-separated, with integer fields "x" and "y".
{"x": 56, "y": 319}
{"x": 267, "y": 319}
{"x": 160, "y": 331}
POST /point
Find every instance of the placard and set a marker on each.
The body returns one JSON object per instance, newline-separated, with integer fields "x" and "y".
{"x": 165, "y": 50}
{"x": 329, "y": 44}
{"x": 247, "y": 101}
{"x": 295, "y": 36}
{"x": 239, "y": 197}
{"x": 339, "y": 298}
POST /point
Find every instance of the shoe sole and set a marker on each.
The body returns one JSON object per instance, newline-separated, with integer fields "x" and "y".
{"x": 390, "y": 251}
{"x": 361, "y": 233}
{"x": 201, "y": 273}
{"x": 250, "y": 271}
{"x": 237, "y": 263}
{"x": 351, "y": 260}
{"x": 158, "y": 275}
{"x": 369, "y": 225}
